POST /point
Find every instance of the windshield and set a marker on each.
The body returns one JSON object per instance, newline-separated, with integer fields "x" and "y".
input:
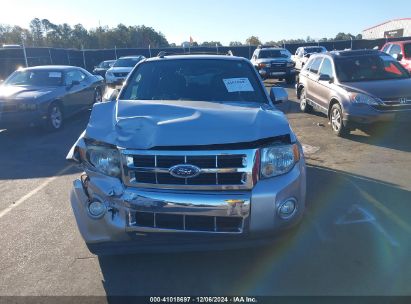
{"x": 366, "y": 68}
{"x": 36, "y": 78}
{"x": 106, "y": 64}
{"x": 127, "y": 62}
{"x": 314, "y": 50}
{"x": 274, "y": 54}
{"x": 201, "y": 80}
{"x": 407, "y": 50}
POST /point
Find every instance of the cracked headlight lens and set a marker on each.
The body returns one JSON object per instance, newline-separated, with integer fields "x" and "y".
{"x": 104, "y": 159}
{"x": 278, "y": 160}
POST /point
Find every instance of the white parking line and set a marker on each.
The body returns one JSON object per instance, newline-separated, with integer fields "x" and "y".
{"x": 33, "y": 192}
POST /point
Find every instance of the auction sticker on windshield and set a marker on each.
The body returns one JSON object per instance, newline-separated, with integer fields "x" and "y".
{"x": 238, "y": 85}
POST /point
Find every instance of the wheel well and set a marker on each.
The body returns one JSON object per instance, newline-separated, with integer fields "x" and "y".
{"x": 332, "y": 102}
{"x": 59, "y": 102}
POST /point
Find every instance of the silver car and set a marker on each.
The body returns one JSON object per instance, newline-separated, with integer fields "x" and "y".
{"x": 119, "y": 71}
{"x": 193, "y": 154}
{"x": 355, "y": 89}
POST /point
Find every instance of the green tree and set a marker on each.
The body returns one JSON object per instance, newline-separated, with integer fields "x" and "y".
{"x": 36, "y": 30}
{"x": 211, "y": 43}
{"x": 253, "y": 40}
{"x": 235, "y": 43}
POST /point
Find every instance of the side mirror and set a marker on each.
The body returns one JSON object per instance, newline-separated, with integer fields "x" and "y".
{"x": 111, "y": 94}
{"x": 278, "y": 95}
{"x": 397, "y": 57}
{"x": 324, "y": 77}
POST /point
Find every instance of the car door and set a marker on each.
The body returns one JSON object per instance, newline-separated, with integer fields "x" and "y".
{"x": 77, "y": 87}
{"x": 321, "y": 89}
{"x": 311, "y": 75}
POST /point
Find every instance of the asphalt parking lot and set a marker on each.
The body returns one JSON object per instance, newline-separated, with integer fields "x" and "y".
{"x": 354, "y": 240}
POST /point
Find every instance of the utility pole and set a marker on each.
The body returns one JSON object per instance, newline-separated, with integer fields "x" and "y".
{"x": 51, "y": 59}
{"x": 24, "y": 51}
{"x": 84, "y": 57}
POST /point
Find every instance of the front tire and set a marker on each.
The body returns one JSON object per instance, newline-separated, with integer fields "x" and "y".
{"x": 55, "y": 118}
{"x": 336, "y": 119}
{"x": 304, "y": 106}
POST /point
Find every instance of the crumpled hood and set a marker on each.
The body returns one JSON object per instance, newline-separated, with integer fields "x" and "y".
{"x": 148, "y": 124}
{"x": 382, "y": 88}
{"x": 120, "y": 69}
{"x": 23, "y": 92}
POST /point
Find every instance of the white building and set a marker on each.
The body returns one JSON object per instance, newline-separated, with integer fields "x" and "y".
{"x": 389, "y": 29}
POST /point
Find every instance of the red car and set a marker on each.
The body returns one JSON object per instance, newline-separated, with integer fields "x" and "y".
{"x": 400, "y": 50}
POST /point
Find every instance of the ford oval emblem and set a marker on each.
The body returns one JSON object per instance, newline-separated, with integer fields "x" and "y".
{"x": 184, "y": 171}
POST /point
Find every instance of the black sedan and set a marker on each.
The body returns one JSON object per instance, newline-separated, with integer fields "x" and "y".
{"x": 46, "y": 95}
{"x": 102, "y": 68}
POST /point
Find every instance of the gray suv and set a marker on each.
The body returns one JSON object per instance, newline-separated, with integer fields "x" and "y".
{"x": 193, "y": 153}
{"x": 356, "y": 89}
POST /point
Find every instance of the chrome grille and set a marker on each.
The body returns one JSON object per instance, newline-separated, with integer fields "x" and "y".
{"x": 219, "y": 170}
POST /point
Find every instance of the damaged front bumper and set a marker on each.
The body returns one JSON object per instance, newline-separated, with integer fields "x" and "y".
{"x": 138, "y": 220}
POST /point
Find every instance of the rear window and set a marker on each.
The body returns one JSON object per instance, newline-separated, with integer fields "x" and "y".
{"x": 368, "y": 68}
{"x": 200, "y": 80}
{"x": 127, "y": 62}
{"x": 274, "y": 54}
{"x": 314, "y": 50}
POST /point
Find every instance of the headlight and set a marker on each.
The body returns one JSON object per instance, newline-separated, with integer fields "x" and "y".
{"x": 262, "y": 65}
{"x": 290, "y": 64}
{"x": 105, "y": 160}
{"x": 363, "y": 99}
{"x": 277, "y": 160}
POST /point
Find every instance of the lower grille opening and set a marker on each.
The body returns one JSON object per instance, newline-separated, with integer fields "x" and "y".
{"x": 194, "y": 223}
{"x": 145, "y": 219}
{"x": 200, "y": 223}
{"x": 170, "y": 221}
{"x": 229, "y": 224}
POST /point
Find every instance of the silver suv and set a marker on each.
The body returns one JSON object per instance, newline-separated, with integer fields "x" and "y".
{"x": 193, "y": 153}
{"x": 274, "y": 63}
{"x": 356, "y": 89}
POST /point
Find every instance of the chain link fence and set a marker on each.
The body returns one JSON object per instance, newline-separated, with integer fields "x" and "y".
{"x": 12, "y": 59}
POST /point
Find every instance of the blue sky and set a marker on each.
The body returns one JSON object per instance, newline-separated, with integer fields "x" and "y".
{"x": 220, "y": 20}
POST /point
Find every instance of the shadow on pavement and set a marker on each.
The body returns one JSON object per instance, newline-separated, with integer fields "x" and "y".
{"x": 337, "y": 250}
{"x": 33, "y": 153}
{"x": 392, "y": 136}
